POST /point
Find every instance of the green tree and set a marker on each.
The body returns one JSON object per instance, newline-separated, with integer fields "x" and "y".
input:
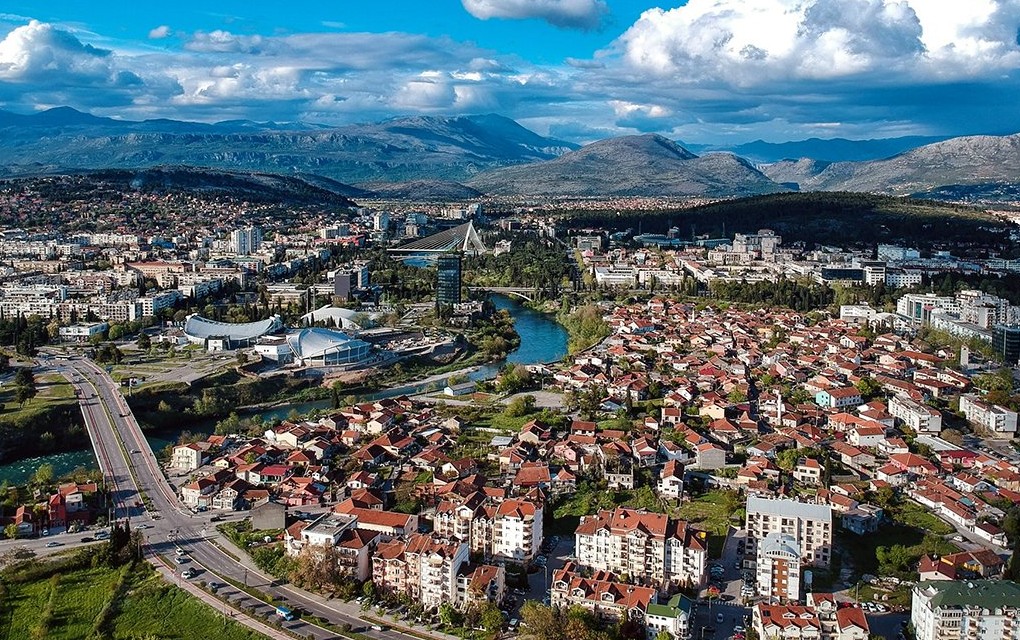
{"x": 11, "y": 531}
{"x": 43, "y": 475}
{"x": 144, "y": 342}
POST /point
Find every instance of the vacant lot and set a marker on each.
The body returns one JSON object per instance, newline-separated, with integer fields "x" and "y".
{"x": 64, "y": 600}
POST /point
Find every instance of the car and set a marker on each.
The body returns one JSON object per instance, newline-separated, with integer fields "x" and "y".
{"x": 180, "y": 559}
{"x": 54, "y": 543}
{"x": 213, "y": 586}
{"x": 87, "y": 539}
{"x": 514, "y": 622}
{"x": 135, "y": 451}
{"x": 719, "y": 617}
{"x": 378, "y": 627}
{"x": 737, "y": 565}
{"x": 179, "y": 551}
{"x": 739, "y": 629}
{"x": 102, "y": 535}
{"x": 188, "y": 574}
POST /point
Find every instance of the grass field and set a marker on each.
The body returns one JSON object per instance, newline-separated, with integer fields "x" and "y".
{"x": 147, "y": 607}
{"x": 911, "y": 514}
{"x": 51, "y": 390}
{"x": 714, "y": 512}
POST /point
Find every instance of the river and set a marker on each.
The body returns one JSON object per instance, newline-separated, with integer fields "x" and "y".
{"x": 543, "y": 340}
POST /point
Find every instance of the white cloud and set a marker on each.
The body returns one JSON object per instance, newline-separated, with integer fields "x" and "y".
{"x": 160, "y": 32}
{"x": 569, "y": 14}
{"x": 755, "y": 43}
{"x": 38, "y": 51}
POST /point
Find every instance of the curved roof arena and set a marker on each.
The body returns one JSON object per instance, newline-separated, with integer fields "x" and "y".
{"x": 198, "y": 327}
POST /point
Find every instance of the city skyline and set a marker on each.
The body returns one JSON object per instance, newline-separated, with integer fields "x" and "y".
{"x": 724, "y": 71}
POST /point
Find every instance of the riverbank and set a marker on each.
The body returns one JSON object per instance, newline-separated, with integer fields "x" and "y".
{"x": 542, "y": 341}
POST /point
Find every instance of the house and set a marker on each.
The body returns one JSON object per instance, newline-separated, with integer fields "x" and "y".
{"x": 671, "y": 480}
{"x": 188, "y": 457}
{"x": 838, "y": 398}
{"x": 808, "y": 471}
{"x": 709, "y": 456}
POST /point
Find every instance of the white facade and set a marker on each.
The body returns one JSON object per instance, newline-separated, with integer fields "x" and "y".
{"x": 809, "y": 524}
{"x": 965, "y": 610}
{"x": 998, "y": 420}
{"x": 919, "y": 417}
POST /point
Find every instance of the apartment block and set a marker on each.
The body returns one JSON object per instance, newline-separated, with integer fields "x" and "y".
{"x": 778, "y": 568}
{"x": 649, "y": 547}
{"x": 508, "y": 530}
{"x": 809, "y": 524}
{"x": 423, "y": 567}
{"x": 607, "y": 599}
{"x": 921, "y": 418}
{"x": 965, "y": 610}
{"x": 997, "y": 420}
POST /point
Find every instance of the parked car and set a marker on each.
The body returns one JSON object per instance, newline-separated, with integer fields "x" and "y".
{"x": 87, "y": 539}
{"x": 54, "y": 543}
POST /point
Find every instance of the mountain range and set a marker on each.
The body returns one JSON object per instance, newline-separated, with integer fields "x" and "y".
{"x": 464, "y": 157}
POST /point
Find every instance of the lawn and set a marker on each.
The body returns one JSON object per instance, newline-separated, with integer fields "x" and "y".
{"x": 80, "y": 596}
{"x": 714, "y": 512}
{"x": 148, "y": 607}
{"x": 911, "y": 514}
{"x": 154, "y": 608}
{"x": 51, "y": 390}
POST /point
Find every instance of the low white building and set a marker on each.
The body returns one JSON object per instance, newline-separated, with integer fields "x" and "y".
{"x": 82, "y": 332}
{"x": 921, "y": 418}
{"x": 674, "y": 617}
{"x": 997, "y": 420}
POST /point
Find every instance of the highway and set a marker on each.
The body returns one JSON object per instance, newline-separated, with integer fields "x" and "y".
{"x": 134, "y": 476}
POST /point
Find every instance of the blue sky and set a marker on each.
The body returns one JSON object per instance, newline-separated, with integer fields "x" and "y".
{"x": 706, "y": 71}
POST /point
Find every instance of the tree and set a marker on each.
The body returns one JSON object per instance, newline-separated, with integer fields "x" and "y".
{"x": 24, "y": 394}
{"x": 492, "y": 618}
{"x": 868, "y": 387}
{"x": 1012, "y": 571}
{"x": 368, "y": 590}
{"x": 11, "y": 531}
{"x": 541, "y": 621}
{"x": 43, "y": 476}
{"x": 520, "y": 406}
{"x": 144, "y": 342}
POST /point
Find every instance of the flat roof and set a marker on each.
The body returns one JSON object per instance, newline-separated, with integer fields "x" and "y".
{"x": 789, "y": 508}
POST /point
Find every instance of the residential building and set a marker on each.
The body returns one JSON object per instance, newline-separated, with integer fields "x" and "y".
{"x": 245, "y": 242}
{"x": 423, "y": 567}
{"x": 649, "y": 547}
{"x": 1006, "y": 342}
{"x": 509, "y": 530}
{"x": 965, "y": 610}
{"x": 187, "y": 457}
{"x": 671, "y": 480}
{"x": 919, "y": 417}
{"x": 998, "y": 421}
{"x": 340, "y": 531}
{"x": 674, "y": 617}
{"x": 786, "y": 622}
{"x": 838, "y": 398}
{"x": 809, "y": 524}
{"x": 777, "y": 570}
{"x": 607, "y": 599}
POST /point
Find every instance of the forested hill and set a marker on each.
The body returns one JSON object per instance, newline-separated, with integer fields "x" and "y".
{"x": 814, "y": 218}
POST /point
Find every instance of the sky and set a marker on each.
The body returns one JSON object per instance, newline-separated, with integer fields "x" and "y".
{"x": 700, "y": 71}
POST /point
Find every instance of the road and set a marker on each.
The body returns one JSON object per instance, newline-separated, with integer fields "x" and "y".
{"x": 133, "y": 475}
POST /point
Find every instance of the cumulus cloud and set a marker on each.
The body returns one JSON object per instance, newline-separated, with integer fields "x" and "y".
{"x": 745, "y": 43}
{"x": 567, "y": 14}
{"x": 160, "y": 32}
